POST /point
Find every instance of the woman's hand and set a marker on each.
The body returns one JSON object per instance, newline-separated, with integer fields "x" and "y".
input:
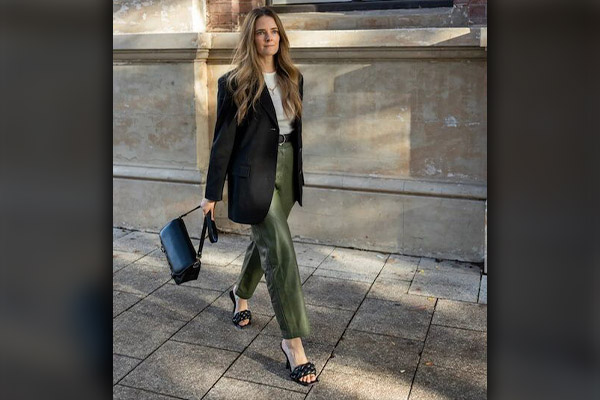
{"x": 208, "y": 205}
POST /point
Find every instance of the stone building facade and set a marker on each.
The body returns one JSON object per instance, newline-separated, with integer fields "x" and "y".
{"x": 395, "y": 120}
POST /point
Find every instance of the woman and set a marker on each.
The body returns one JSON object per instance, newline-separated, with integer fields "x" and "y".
{"x": 258, "y": 145}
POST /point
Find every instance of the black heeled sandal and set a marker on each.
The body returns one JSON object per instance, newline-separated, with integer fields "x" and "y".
{"x": 301, "y": 370}
{"x": 240, "y": 315}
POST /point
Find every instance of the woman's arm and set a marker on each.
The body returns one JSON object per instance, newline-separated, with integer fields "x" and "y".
{"x": 222, "y": 145}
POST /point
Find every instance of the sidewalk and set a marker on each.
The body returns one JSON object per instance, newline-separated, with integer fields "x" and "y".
{"x": 384, "y": 326}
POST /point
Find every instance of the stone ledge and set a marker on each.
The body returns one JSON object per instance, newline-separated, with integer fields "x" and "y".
{"x": 361, "y": 183}
{"x": 380, "y": 44}
{"x": 162, "y": 174}
{"x": 379, "y": 184}
{"x": 318, "y": 39}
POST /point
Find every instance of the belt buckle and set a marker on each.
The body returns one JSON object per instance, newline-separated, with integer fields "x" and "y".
{"x": 282, "y": 142}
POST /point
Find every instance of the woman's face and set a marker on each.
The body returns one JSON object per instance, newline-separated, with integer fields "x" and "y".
{"x": 266, "y": 36}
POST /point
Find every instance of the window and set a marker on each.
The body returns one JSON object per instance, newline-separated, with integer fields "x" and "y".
{"x": 282, "y": 6}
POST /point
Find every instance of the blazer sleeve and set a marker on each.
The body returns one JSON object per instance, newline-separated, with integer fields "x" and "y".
{"x": 223, "y": 140}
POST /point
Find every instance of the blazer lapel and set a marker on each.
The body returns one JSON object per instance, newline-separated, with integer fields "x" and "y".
{"x": 267, "y": 104}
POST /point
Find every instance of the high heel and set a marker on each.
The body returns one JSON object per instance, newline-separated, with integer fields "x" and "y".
{"x": 301, "y": 370}
{"x": 240, "y": 315}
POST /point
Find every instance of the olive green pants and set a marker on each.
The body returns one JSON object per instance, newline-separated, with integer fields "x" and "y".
{"x": 271, "y": 252}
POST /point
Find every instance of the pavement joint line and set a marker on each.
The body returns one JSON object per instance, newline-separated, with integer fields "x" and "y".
{"x": 335, "y": 277}
{"x": 326, "y": 257}
{"x": 348, "y": 324}
{"x": 449, "y": 272}
{"x": 412, "y": 382}
{"x": 205, "y": 345}
{"x": 264, "y": 384}
{"x": 333, "y": 308}
{"x": 174, "y": 333}
{"x": 437, "y": 298}
{"x": 127, "y": 265}
{"x": 386, "y": 335}
{"x": 139, "y": 300}
{"x": 479, "y": 289}
{"x": 123, "y": 291}
{"x": 239, "y": 355}
{"x": 151, "y": 391}
{"x": 457, "y": 327}
{"x": 128, "y": 356}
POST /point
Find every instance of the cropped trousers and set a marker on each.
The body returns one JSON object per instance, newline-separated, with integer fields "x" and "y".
{"x": 271, "y": 252}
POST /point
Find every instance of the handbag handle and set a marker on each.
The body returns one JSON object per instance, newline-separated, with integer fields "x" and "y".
{"x": 207, "y": 217}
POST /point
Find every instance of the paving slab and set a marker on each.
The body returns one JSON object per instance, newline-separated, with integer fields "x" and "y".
{"x": 483, "y": 290}
{"x": 137, "y": 242}
{"x": 367, "y": 277}
{"x": 177, "y": 302}
{"x": 137, "y": 335}
{"x": 156, "y": 258}
{"x": 449, "y": 266}
{"x": 326, "y": 324}
{"x": 126, "y": 393}
{"x": 140, "y": 279}
{"x": 446, "y": 284}
{"x": 119, "y": 233}
{"x": 307, "y": 255}
{"x": 123, "y": 300}
{"x": 228, "y": 248}
{"x": 214, "y": 277}
{"x": 336, "y": 293}
{"x": 235, "y": 389}
{"x": 376, "y": 355}
{"x": 400, "y": 267}
{"x": 180, "y": 369}
{"x": 388, "y": 287}
{"x": 459, "y": 314}
{"x": 305, "y": 273}
{"x": 263, "y": 362}
{"x": 156, "y": 325}
{"x": 213, "y": 327}
{"x": 122, "y": 365}
{"x": 436, "y": 383}
{"x": 456, "y": 349}
{"x": 342, "y": 259}
{"x": 312, "y": 255}
{"x": 407, "y": 318}
{"x": 121, "y": 259}
{"x": 349, "y": 384}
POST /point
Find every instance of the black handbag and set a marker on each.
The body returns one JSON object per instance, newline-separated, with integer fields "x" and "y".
{"x": 184, "y": 261}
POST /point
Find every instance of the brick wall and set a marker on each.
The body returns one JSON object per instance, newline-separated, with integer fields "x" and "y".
{"x": 227, "y": 15}
{"x": 474, "y": 10}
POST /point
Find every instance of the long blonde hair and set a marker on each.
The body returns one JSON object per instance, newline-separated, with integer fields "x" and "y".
{"x": 246, "y": 81}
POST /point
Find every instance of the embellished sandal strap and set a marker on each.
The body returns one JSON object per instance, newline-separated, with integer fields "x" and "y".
{"x": 303, "y": 370}
{"x": 242, "y": 315}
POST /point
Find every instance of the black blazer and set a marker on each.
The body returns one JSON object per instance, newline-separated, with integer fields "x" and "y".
{"x": 247, "y": 155}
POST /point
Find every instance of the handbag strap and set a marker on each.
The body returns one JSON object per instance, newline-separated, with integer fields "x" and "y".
{"x": 193, "y": 209}
{"x": 204, "y": 226}
{"x": 199, "y": 254}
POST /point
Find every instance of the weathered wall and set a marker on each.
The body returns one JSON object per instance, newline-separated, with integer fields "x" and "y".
{"x": 153, "y": 16}
{"x": 394, "y": 135}
{"x": 159, "y": 16}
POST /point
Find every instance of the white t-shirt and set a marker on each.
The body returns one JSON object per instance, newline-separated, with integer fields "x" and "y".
{"x": 285, "y": 124}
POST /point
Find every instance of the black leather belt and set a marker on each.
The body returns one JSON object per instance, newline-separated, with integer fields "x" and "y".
{"x": 285, "y": 138}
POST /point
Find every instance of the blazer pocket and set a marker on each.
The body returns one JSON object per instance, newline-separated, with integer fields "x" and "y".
{"x": 241, "y": 170}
